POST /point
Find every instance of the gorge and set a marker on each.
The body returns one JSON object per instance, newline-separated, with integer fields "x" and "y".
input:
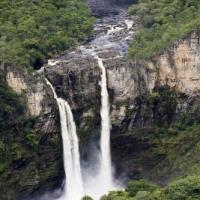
{"x": 87, "y": 119}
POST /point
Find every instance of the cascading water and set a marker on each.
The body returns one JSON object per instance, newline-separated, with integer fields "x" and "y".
{"x": 111, "y": 42}
{"x": 73, "y": 189}
{"x": 105, "y": 162}
{"x": 102, "y": 182}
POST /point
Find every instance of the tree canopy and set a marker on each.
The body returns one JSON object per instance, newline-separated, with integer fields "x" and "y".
{"x": 162, "y": 23}
{"x": 184, "y": 189}
{"x": 32, "y": 31}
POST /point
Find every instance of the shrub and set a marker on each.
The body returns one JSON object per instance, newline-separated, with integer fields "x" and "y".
{"x": 135, "y": 186}
{"x": 86, "y": 198}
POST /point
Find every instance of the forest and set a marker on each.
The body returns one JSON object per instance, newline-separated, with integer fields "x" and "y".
{"x": 162, "y": 24}
{"x": 33, "y": 31}
{"x": 182, "y": 189}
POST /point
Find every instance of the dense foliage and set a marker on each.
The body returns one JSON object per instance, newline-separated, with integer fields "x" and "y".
{"x": 183, "y": 189}
{"x": 32, "y": 31}
{"x": 163, "y": 22}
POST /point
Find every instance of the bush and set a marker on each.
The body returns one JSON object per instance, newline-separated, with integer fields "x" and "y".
{"x": 184, "y": 189}
{"x": 135, "y": 186}
{"x": 86, "y": 198}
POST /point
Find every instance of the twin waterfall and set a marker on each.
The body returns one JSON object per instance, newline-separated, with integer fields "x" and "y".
{"x": 105, "y": 164}
{"x": 95, "y": 178}
{"x": 75, "y": 188}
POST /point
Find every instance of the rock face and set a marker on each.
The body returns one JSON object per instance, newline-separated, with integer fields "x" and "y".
{"x": 144, "y": 96}
{"x": 33, "y": 87}
{"x": 177, "y": 68}
{"x": 36, "y": 165}
{"x": 77, "y": 81}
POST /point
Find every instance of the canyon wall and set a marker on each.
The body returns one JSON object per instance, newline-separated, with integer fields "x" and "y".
{"x": 36, "y": 164}
{"x": 145, "y": 97}
{"x": 151, "y": 103}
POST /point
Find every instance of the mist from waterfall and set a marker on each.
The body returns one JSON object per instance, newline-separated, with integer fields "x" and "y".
{"x": 73, "y": 189}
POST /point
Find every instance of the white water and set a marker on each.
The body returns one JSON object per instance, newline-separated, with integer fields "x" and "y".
{"x": 73, "y": 189}
{"x": 99, "y": 180}
{"x": 105, "y": 162}
{"x": 98, "y": 175}
{"x": 129, "y": 23}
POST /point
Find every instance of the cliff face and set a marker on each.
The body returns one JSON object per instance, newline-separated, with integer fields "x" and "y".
{"x": 77, "y": 81}
{"x": 154, "y": 114}
{"x": 150, "y": 100}
{"x": 177, "y": 69}
{"x": 35, "y": 165}
{"x": 153, "y": 103}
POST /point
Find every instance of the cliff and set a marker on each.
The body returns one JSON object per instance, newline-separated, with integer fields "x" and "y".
{"x": 33, "y": 147}
{"x": 154, "y": 108}
{"x": 157, "y": 102}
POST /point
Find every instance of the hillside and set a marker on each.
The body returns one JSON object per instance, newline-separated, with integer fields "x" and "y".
{"x": 162, "y": 24}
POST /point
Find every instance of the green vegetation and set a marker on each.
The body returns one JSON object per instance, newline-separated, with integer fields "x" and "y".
{"x": 184, "y": 189}
{"x": 86, "y": 198}
{"x": 32, "y": 31}
{"x": 163, "y": 142}
{"x": 13, "y": 125}
{"x": 23, "y": 149}
{"x": 163, "y": 22}
{"x": 159, "y": 106}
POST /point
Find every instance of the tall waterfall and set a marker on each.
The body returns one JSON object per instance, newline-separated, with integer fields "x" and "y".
{"x": 105, "y": 162}
{"x": 73, "y": 189}
{"x": 102, "y": 181}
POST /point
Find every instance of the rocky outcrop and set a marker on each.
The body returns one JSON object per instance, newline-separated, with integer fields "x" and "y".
{"x": 177, "y": 68}
{"x": 77, "y": 81}
{"x": 33, "y": 88}
{"x": 35, "y": 166}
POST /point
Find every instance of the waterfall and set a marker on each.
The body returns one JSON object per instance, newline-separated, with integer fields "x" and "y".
{"x": 111, "y": 41}
{"x": 73, "y": 189}
{"x": 102, "y": 182}
{"x": 105, "y": 162}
